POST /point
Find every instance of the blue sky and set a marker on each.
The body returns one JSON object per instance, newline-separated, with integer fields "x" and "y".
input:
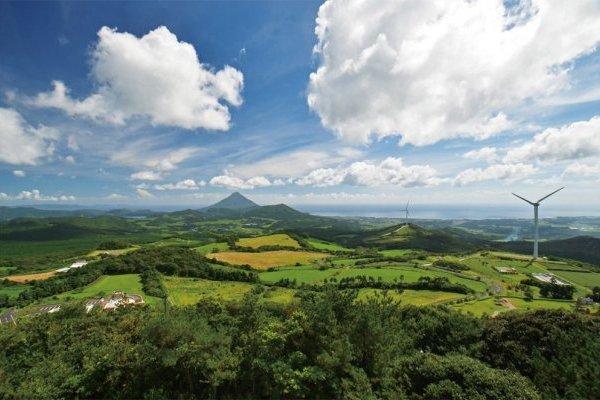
{"x": 389, "y": 112}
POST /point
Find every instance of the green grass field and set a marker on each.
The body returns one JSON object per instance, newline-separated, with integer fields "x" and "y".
{"x": 346, "y": 261}
{"x": 489, "y": 306}
{"x": 396, "y": 252}
{"x": 116, "y": 252}
{"x": 175, "y": 242}
{"x": 279, "y": 239}
{"x": 323, "y": 245}
{"x": 188, "y": 291}
{"x": 13, "y": 291}
{"x": 586, "y": 279}
{"x": 107, "y": 284}
{"x": 413, "y": 297}
{"x": 267, "y": 259}
{"x": 212, "y": 248}
{"x": 387, "y": 274}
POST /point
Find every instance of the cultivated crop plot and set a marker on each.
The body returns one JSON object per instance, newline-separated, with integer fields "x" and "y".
{"x": 331, "y": 199}
{"x": 267, "y": 259}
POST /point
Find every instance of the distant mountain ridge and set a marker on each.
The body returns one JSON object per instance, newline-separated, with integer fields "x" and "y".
{"x": 235, "y": 201}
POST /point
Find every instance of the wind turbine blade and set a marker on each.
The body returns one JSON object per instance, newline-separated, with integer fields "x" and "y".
{"x": 545, "y": 197}
{"x": 522, "y": 198}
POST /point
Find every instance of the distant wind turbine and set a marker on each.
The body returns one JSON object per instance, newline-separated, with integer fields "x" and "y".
{"x": 535, "y": 218}
{"x": 406, "y": 213}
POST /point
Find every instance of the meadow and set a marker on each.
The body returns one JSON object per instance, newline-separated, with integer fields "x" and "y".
{"x": 413, "y": 297}
{"x": 188, "y": 291}
{"x": 323, "y": 245}
{"x": 266, "y": 259}
{"x": 387, "y": 274}
{"x": 490, "y": 305}
{"x": 212, "y": 248}
{"x": 279, "y": 239}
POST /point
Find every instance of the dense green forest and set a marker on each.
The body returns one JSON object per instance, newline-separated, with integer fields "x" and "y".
{"x": 326, "y": 346}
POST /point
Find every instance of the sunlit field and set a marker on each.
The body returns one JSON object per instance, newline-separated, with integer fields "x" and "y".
{"x": 267, "y": 259}
{"x": 279, "y": 239}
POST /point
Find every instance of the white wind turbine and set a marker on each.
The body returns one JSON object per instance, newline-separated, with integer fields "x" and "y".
{"x": 406, "y": 213}
{"x": 535, "y": 218}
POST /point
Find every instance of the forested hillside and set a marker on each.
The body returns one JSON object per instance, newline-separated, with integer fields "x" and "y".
{"x": 328, "y": 346}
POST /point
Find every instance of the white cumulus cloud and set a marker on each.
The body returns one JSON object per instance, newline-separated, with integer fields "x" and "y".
{"x": 143, "y": 193}
{"x": 155, "y": 76}
{"x": 36, "y": 195}
{"x": 146, "y": 176}
{"x": 489, "y": 154}
{"x": 494, "y": 172}
{"x": 390, "y": 171}
{"x": 233, "y": 182}
{"x": 434, "y": 70}
{"x": 574, "y": 141}
{"x": 186, "y": 184}
{"x": 583, "y": 169}
{"x": 19, "y": 173}
{"x": 21, "y": 143}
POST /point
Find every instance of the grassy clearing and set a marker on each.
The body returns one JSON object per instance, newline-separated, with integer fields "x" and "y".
{"x": 414, "y": 297}
{"x": 31, "y": 277}
{"x": 116, "y": 252}
{"x": 212, "y": 248}
{"x": 13, "y": 291}
{"x": 267, "y": 259}
{"x": 586, "y": 279}
{"x": 107, "y": 284}
{"x": 489, "y": 306}
{"x": 175, "y": 242}
{"x": 387, "y": 274}
{"x": 537, "y": 304}
{"x": 188, "y": 291}
{"x": 396, "y": 252}
{"x": 279, "y": 239}
{"x": 346, "y": 261}
{"x": 323, "y": 245}
{"x": 480, "y": 307}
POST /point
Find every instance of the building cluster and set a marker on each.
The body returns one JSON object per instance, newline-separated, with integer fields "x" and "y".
{"x": 506, "y": 270}
{"x": 115, "y": 300}
{"x": 549, "y": 278}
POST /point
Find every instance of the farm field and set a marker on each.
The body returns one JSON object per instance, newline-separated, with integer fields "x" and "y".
{"x": 40, "y": 276}
{"x": 212, "y": 248}
{"x": 116, "y": 252}
{"x": 387, "y": 274}
{"x": 174, "y": 242}
{"x": 267, "y": 259}
{"x": 413, "y": 297}
{"x": 279, "y": 239}
{"x": 396, "y": 252}
{"x": 489, "y": 306}
{"x": 480, "y": 307}
{"x": 587, "y": 279}
{"x": 188, "y": 291}
{"x": 107, "y": 284}
{"x": 323, "y": 245}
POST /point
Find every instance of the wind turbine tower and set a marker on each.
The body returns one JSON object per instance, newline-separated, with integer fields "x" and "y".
{"x": 406, "y": 213}
{"x": 535, "y": 205}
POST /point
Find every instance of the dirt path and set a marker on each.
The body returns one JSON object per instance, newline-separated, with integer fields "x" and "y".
{"x": 506, "y": 303}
